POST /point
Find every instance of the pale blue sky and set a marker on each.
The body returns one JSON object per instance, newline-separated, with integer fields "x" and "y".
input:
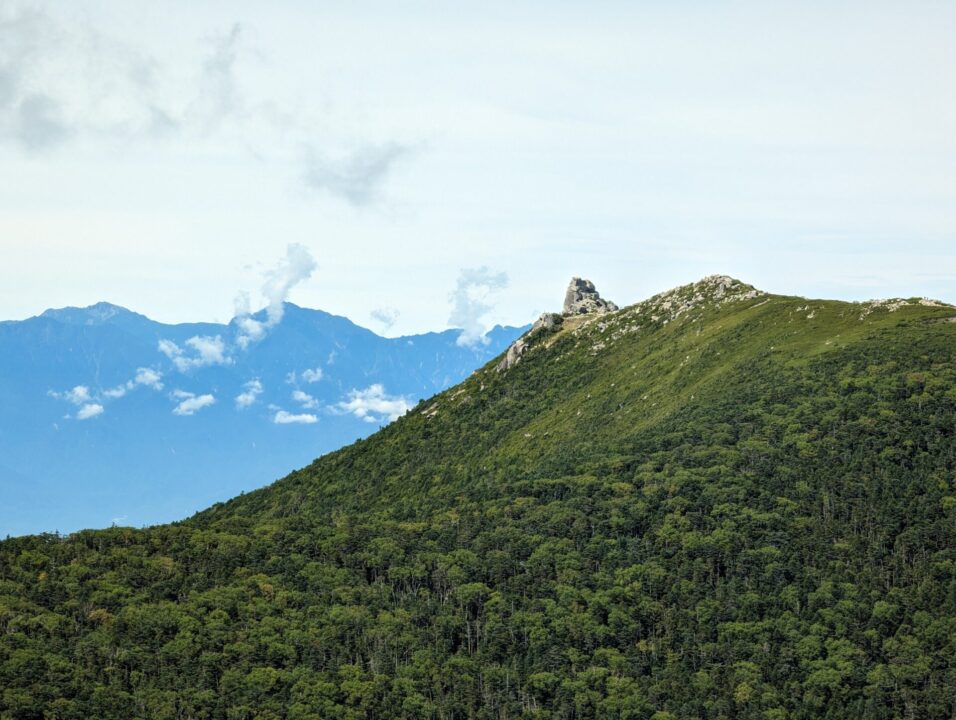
{"x": 161, "y": 155}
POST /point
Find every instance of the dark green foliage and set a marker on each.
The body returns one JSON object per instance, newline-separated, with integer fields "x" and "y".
{"x": 748, "y": 511}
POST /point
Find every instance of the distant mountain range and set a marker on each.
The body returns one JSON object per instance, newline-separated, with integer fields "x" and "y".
{"x": 109, "y": 417}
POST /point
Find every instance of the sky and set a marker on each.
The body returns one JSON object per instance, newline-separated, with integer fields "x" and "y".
{"x": 167, "y": 156}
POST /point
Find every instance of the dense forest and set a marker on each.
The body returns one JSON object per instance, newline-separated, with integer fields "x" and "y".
{"x": 713, "y": 504}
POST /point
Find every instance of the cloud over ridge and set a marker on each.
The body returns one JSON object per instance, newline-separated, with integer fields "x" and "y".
{"x": 297, "y": 266}
{"x": 471, "y": 302}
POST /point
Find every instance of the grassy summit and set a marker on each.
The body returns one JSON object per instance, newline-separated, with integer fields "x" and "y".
{"x": 717, "y": 503}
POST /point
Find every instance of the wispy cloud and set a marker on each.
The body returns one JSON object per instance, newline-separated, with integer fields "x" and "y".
{"x": 205, "y": 350}
{"x": 78, "y": 395}
{"x": 250, "y": 392}
{"x": 304, "y": 399}
{"x": 190, "y": 403}
{"x": 311, "y": 375}
{"x": 385, "y": 316}
{"x": 373, "y": 404}
{"x": 471, "y": 302}
{"x": 62, "y": 80}
{"x": 90, "y": 403}
{"x": 219, "y": 96}
{"x": 283, "y": 417}
{"x": 146, "y": 377}
{"x": 297, "y": 265}
{"x": 149, "y": 378}
{"x": 357, "y": 177}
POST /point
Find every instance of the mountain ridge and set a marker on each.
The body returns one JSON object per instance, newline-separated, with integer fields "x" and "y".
{"x": 693, "y": 507}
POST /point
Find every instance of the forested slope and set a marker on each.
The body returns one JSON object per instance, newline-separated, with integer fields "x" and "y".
{"x": 713, "y": 504}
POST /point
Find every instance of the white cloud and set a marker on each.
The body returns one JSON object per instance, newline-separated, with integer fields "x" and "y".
{"x": 250, "y": 391}
{"x": 206, "y": 350}
{"x": 373, "y": 403}
{"x": 286, "y": 418}
{"x": 311, "y": 375}
{"x": 169, "y": 348}
{"x": 90, "y": 410}
{"x": 471, "y": 301}
{"x": 146, "y": 377}
{"x": 78, "y": 395}
{"x": 304, "y": 399}
{"x": 191, "y": 403}
{"x": 250, "y": 329}
{"x": 149, "y": 378}
{"x": 209, "y": 350}
{"x": 297, "y": 265}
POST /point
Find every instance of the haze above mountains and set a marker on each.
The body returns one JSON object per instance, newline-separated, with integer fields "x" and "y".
{"x": 109, "y": 417}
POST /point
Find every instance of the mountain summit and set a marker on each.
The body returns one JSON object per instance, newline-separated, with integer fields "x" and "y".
{"x": 715, "y": 503}
{"x": 582, "y": 298}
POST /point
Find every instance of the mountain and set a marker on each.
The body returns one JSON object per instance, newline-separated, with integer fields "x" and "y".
{"x": 715, "y": 503}
{"x": 109, "y": 417}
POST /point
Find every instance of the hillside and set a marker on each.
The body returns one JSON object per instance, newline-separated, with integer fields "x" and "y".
{"x": 717, "y": 503}
{"x": 92, "y": 432}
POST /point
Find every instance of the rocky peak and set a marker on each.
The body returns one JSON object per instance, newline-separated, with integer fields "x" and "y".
{"x": 582, "y": 298}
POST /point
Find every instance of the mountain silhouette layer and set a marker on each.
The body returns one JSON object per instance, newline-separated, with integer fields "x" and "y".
{"x": 107, "y": 417}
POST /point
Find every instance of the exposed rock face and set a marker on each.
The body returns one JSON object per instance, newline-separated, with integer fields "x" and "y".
{"x": 513, "y": 355}
{"x": 582, "y": 299}
{"x": 547, "y": 321}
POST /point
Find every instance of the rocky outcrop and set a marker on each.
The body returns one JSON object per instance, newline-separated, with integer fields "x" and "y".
{"x": 582, "y": 298}
{"x": 513, "y": 355}
{"x": 547, "y": 321}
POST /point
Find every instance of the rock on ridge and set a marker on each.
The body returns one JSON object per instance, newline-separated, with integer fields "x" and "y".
{"x": 582, "y": 298}
{"x": 547, "y": 321}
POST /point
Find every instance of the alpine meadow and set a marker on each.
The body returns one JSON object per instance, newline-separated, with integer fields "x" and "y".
{"x": 715, "y": 503}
